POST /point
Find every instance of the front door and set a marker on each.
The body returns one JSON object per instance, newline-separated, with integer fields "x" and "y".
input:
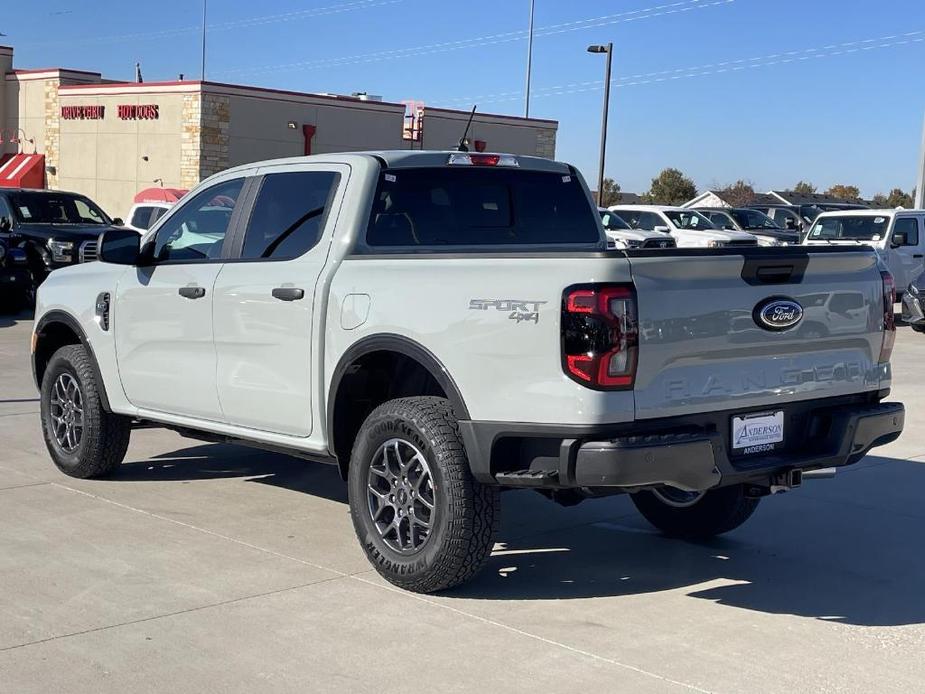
{"x": 905, "y": 261}
{"x": 265, "y": 299}
{"x": 162, "y": 317}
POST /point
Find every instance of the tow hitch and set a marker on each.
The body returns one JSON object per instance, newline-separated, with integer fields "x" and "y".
{"x": 787, "y": 480}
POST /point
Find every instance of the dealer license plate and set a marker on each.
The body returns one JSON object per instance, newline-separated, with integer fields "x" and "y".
{"x": 757, "y": 433}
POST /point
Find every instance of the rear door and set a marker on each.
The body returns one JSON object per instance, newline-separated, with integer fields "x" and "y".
{"x": 265, "y": 299}
{"x": 702, "y": 346}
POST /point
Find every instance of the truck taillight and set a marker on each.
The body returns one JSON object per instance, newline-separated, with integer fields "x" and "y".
{"x": 889, "y": 319}
{"x": 600, "y": 338}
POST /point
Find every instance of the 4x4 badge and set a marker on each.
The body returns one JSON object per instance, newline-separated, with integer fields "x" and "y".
{"x": 520, "y": 311}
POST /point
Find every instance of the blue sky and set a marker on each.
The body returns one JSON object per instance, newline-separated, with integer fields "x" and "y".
{"x": 771, "y": 91}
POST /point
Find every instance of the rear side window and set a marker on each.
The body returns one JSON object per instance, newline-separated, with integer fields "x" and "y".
{"x": 288, "y": 214}
{"x": 141, "y": 218}
{"x": 480, "y": 207}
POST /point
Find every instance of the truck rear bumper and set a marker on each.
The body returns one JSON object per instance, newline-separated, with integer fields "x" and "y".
{"x": 692, "y": 453}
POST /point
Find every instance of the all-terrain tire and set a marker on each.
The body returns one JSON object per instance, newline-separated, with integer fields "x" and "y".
{"x": 104, "y": 438}
{"x": 465, "y": 516}
{"x": 716, "y": 512}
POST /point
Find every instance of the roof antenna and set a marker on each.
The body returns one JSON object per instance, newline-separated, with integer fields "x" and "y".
{"x": 462, "y": 146}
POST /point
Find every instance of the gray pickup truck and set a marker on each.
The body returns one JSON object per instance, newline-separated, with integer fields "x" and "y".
{"x": 442, "y": 325}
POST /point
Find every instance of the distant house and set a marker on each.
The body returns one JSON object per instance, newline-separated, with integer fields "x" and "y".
{"x": 714, "y": 198}
{"x": 623, "y": 198}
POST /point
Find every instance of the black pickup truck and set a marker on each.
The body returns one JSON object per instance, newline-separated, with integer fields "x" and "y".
{"x": 54, "y": 228}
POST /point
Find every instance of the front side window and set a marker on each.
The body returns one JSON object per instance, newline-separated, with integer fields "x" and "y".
{"x": 197, "y": 230}
{"x": 910, "y": 227}
{"x": 689, "y": 219}
{"x": 612, "y": 221}
{"x": 288, "y": 214}
{"x": 849, "y": 228}
{"x": 475, "y": 206}
{"x": 34, "y": 207}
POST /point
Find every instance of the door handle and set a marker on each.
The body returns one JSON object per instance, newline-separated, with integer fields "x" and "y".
{"x": 917, "y": 255}
{"x": 288, "y": 293}
{"x": 192, "y": 292}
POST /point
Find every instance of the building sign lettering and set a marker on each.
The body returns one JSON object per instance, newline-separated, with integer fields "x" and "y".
{"x": 139, "y": 112}
{"x": 83, "y": 112}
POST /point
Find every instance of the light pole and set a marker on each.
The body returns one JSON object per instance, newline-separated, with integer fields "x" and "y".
{"x": 920, "y": 188}
{"x": 608, "y": 49}
{"x": 529, "y": 61}
{"x": 203, "y": 72}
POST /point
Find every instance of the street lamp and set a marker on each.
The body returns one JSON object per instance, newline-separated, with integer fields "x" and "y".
{"x": 608, "y": 49}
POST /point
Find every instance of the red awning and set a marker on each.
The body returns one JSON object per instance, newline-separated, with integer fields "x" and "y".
{"x": 160, "y": 195}
{"x": 22, "y": 171}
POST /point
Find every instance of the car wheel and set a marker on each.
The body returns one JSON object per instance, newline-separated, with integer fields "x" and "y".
{"x": 919, "y": 328}
{"x": 695, "y": 515}
{"x": 83, "y": 439}
{"x": 425, "y": 523}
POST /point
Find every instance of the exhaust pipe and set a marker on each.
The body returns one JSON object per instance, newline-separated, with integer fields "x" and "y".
{"x": 825, "y": 473}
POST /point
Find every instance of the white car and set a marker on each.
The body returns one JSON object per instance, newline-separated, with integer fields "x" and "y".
{"x": 896, "y": 234}
{"x": 621, "y": 235}
{"x": 689, "y": 228}
{"x": 143, "y": 215}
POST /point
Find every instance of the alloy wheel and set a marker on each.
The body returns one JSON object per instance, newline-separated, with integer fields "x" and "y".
{"x": 67, "y": 413}
{"x": 401, "y": 496}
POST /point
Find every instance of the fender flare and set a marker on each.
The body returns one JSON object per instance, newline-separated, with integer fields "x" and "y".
{"x": 66, "y": 319}
{"x": 388, "y": 342}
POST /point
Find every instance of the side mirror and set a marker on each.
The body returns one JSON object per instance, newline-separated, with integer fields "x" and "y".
{"x": 6, "y": 223}
{"x": 118, "y": 222}
{"x": 663, "y": 229}
{"x": 899, "y": 239}
{"x": 120, "y": 246}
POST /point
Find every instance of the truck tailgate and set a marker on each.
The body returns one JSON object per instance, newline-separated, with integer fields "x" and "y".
{"x": 701, "y": 347}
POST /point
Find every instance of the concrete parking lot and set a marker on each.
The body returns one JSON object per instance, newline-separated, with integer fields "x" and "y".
{"x": 217, "y": 568}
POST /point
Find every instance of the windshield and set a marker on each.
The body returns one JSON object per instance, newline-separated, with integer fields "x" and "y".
{"x": 753, "y": 219}
{"x": 478, "y": 206}
{"x": 849, "y": 228}
{"x": 612, "y": 221}
{"x": 55, "y": 208}
{"x": 688, "y": 219}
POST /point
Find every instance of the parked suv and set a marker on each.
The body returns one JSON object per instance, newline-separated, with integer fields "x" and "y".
{"x": 689, "y": 228}
{"x": 15, "y": 279}
{"x": 441, "y": 325}
{"x": 897, "y": 235}
{"x": 755, "y": 222}
{"x": 54, "y": 228}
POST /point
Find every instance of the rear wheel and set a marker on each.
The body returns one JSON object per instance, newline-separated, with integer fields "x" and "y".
{"x": 425, "y": 523}
{"x": 695, "y": 515}
{"x": 84, "y": 440}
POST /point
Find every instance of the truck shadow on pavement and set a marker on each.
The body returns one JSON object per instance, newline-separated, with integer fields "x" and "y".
{"x": 843, "y": 550}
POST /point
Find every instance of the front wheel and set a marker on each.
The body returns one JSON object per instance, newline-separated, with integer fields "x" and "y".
{"x": 695, "y": 515}
{"x": 84, "y": 440}
{"x": 425, "y": 523}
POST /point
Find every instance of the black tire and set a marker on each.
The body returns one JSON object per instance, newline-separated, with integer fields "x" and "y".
{"x": 919, "y": 328}
{"x": 104, "y": 437}
{"x": 465, "y": 513}
{"x": 718, "y": 511}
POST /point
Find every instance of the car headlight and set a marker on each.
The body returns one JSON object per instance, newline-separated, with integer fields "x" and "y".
{"x": 715, "y": 244}
{"x": 765, "y": 241}
{"x": 60, "y": 250}
{"x": 632, "y": 243}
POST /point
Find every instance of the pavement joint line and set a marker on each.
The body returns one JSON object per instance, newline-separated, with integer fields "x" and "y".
{"x": 535, "y": 637}
{"x": 397, "y": 591}
{"x": 165, "y": 615}
{"x": 21, "y": 486}
{"x": 18, "y": 414}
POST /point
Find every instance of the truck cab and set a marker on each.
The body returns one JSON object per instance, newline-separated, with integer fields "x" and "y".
{"x": 897, "y": 235}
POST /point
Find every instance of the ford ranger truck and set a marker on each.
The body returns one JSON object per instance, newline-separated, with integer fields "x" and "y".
{"x": 443, "y": 325}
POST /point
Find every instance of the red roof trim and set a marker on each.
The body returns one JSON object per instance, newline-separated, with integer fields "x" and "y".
{"x": 133, "y": 86}
{"x": 32, "y": 71}
{"x": 489, "y": 115}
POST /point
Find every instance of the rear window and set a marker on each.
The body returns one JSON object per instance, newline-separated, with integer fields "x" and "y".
{"x": 480, "y": 207}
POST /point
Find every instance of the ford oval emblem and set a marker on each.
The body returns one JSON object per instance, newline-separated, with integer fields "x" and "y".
{"x": 778, "y": 313}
